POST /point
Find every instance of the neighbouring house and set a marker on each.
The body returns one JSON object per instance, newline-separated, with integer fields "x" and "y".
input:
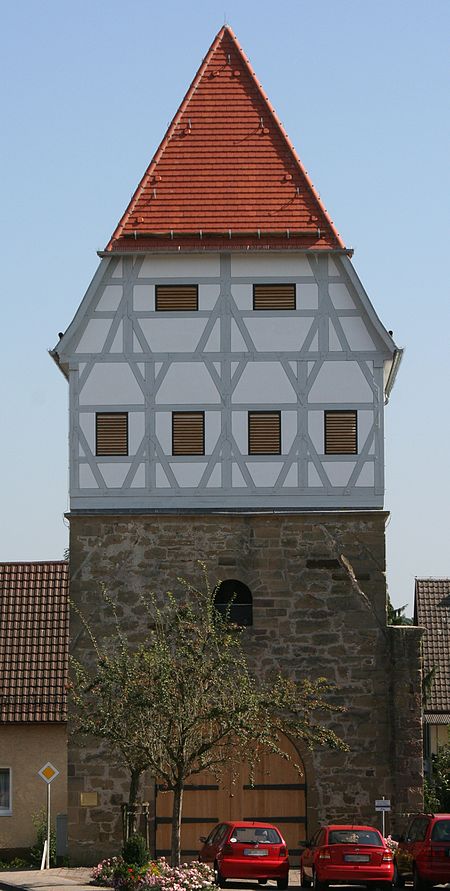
{"x": 227, "y": 381}
{"x": 33, "y": 714}
{"x": 432, "y": 612}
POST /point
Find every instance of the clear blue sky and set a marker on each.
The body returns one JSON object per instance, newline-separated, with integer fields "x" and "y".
{"x": 88, "y": 89}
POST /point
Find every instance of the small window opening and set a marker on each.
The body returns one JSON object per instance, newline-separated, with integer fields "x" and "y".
{"x": 234, "y": 599}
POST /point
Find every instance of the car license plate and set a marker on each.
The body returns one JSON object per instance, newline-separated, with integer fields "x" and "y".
{"x": 356, "y": 858}
{"x": 256, "y": 852}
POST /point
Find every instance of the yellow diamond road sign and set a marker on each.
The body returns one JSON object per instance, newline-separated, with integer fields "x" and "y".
{"x": 48, "y": 772}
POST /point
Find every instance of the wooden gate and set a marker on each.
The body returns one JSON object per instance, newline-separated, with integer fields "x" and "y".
{"x": 277, "y": 796}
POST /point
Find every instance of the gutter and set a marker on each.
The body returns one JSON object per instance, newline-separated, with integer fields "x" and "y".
{"x": 54, "y": 355}
{"x": 397, "y": 358}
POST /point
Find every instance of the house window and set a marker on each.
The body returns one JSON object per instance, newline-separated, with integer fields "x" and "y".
{"x": 341, "y": 433}
{"x": 188, "y": 433}
{"x": 234, "y": 600}
{"x": 176, "y": 298}
{"x": 264, "y": 433}
{"x": 274, "y": 297}
{"x": 111, "y": 433}
{"x": 5, "y": 790}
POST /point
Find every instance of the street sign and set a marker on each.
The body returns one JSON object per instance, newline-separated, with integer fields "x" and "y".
{"x": 48, "y": 772}
{"x": 383, "y": 804}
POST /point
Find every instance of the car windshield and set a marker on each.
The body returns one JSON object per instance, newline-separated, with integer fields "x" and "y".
{"x": 354, "y": 837}
{"x": 253, "y": 835}
{"x": 441, "y": 831}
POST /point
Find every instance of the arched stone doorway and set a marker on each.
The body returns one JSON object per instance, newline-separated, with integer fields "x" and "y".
{"x": 278, "y": 796}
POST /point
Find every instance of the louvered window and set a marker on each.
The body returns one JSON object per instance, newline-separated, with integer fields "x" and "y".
{"x": 274, "y": 297}
{"x": 188, "y": 433}
{"x": 111, "y": 433}
{"x": 264, "y": 433}
{"x": 341, "y": 433}
{"x": 171, "y": 298}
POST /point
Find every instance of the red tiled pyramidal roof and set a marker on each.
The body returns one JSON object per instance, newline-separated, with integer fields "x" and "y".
{"x": 34, "y": 641}
{"x": 226, "y": 174}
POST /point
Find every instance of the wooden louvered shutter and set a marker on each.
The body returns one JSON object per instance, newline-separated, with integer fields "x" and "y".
{"x": 170, "y": 298}
{"x": 111, "y": 433}
{"x": 274, "y": 297}
{"x": 188, "y": 433}
{"x": 264, "y": 433}
{"x": 341, "y": 435}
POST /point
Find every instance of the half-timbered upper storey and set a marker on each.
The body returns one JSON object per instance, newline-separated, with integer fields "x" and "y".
{"x": 226, "y": 354}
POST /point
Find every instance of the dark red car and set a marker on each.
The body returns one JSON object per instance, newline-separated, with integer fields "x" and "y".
{"x": 349, "y": 855}
{"x": 243, "y": 850}
{"x": 423, "y": 853}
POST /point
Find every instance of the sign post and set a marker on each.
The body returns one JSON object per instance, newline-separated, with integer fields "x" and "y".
{"x": 48, "y": 773}
{"x": 383, "y": 805}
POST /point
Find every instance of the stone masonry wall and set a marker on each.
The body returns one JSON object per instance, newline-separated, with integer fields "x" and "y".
{"x": 319, "y": 605}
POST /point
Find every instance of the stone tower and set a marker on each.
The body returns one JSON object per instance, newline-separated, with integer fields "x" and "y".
{"x": 227, "y": 376}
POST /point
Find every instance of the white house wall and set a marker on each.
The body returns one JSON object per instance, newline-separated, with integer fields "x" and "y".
{"x": 226, "y": 359}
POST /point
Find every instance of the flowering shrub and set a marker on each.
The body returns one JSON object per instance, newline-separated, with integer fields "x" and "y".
{"x": 103, "y": 873}
{"x": 156, "y": 875}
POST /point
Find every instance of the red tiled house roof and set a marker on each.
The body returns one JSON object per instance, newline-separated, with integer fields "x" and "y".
{"x": 34, "y": 641}
{"x": 432, "y": 612}
{"x": 226, "y": 174}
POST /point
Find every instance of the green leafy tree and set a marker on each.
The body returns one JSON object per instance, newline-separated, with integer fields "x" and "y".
{"x": 437, "y": 786}
{"x": 185, "y": 700}
{"x": 397, "y": 616}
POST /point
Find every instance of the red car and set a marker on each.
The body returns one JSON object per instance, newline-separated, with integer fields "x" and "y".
{"x": 423, "y": 853}
{"x": 246, "y": 851}
{"x": 349, "y": 855}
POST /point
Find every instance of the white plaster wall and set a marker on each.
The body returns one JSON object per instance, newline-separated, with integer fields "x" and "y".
{"x": 339, "y": 382}
{"x": 340, "y": 296}
{"x": 243, "y": 296}
{"x": 357, "y": 334}
{"x": 239, "y": 426}
{"x": 367, "y": 475}
{"x": 138, "y": 481}
{"x": 161, "y": 479}
{"x": 174, "y": 335}
{"x": 94, "y": 336}
{"x": 264, "y": 382}
{"x": 365, "y": 421}
{"x": 288, "y": 430}
{"x": 87, "y": 424}
{"x": 338, "y": 472}
{"x": 163, "y": 430}
{"x": 307, "y": 296}
{"x": 316, "y": 430}
{"x": 118, "y": 272}
{"x": 212, "y": 345}
{"x": 208, "y": 296}
{"x": 278, "y": 333}
{"x": 111, "y": 383}
{"x": 188, "y": 475}
{"x": 213, "y": 423}
{"x": 117, "y": 344}
{"x": 110, "y": 299}
{"x": 187, "y": 383}
{"x": 264, "y": 473}
{"x": 334, "y": 342}
{"x": 136, "y": 430}
{"x": 114, "y": 474}
{"x": 144, "y": 298}
{"x": 192, "y": 266}
{"x": 279, "y": 264}
{"x": 86, "y": 478}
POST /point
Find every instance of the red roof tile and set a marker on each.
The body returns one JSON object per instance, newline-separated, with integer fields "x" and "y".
{"x": 432, "y": 611}
{"x": 34, "y": 641}
{"x": 226, "y": 174}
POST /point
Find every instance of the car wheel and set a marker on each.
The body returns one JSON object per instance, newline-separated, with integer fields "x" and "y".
{"x": 218, "y": 877}
{"x": 398, "y": 880}
{"x": 304, "y": 881}
{"x": 317, "y": 885}
{"x": 283, "y": 883}
{"x": 418, "y": 883}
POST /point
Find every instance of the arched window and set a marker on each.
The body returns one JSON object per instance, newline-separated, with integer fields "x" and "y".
{"x": 235, "y": 597}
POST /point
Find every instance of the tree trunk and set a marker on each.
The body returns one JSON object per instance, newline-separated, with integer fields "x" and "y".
{"x": 134, "y": 786}
{"x": 176, "y": 822}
